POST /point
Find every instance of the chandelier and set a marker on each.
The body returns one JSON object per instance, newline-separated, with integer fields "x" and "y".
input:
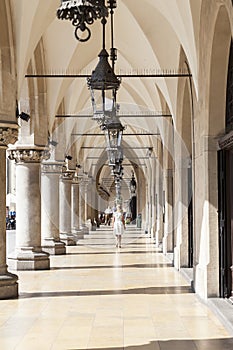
{"x": 103, "y": 85}
{"x": 103, "y": 82}
{"x": 83, "y": 13}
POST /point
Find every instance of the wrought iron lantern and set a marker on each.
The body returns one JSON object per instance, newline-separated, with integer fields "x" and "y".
{"x": 103, "y": 85}
{"x": 118, "y": 187}
{"x": 82, "y": 13}
{"x": 113, "y": 134}
{"x": 115, "y": 156}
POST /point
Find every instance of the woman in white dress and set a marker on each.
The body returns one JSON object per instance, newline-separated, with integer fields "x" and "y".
{"x": 118, "y": 225}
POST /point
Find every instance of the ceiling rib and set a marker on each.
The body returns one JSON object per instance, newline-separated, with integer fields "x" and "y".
{"x": 133, "y": 134}
{"x": 120, "y": 115}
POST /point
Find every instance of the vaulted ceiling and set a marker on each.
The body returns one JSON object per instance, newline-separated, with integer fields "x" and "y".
{"x": 149, "y": 36}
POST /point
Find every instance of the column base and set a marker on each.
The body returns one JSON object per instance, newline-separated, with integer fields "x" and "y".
{"x": 177, "y": 258}
{"x": 29, "y": 260}
{"x": 84, "y": 229}
{"x": 8, "y": 286}
{"x": 77, "y": 233}
{"x": 68, "y": 239}
{"x": 53, "y": 247}
{"x": 165, "y": 245}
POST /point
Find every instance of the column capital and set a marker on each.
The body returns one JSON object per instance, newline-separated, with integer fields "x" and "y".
{"x": 226, "y": 141}
{"x": 67, "y": 175}
{"x": 76, "y": 180}
{"x": 28, "y": 154}
{"x": 8, "y": 134}
{"x": 52, "y": 167}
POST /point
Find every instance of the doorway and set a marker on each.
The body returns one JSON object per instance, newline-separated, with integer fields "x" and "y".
{"x": 190, "y": 219}
{"x": 225, "y": 205}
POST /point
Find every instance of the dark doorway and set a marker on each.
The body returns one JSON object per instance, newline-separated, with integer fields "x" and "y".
{"x": 225, "y": 192}
{"x": 190, "y": 219}
{"x": 225, "y": 205}
{"x": 133, "y": 207}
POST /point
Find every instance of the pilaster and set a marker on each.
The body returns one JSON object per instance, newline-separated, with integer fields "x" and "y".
{"x": 159, "y": 206}
{"x": 206, "y": 250}
{"x": 168, "y": 211}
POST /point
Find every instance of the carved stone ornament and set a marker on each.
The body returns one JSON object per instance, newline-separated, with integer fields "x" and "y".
{"x": 67, "y": 175}
{"x": 226, "y": 141}
{"x": 77, "y": 179}
{"x": 28, "y": 155}
{"x": 8, "y": 135}
{"x": 51, "y": 168}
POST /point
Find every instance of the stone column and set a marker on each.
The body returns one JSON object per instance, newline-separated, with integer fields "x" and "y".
{"x": 28, "y": 254}
{"x": 8, "y": 281}
{"x": 50, "y": 172}
{"x": 153, "y": 219}
{"x": 66, "y": 235}
{"x": 149, "y": 194}
{"x": 75, "y": 205}
{"x": 168, "y": 212}
{"x": 95, "y": 204}
{"x": 75, "y": 215}
{"x": 181, "y": 199}
{"x": 206, "y": 245}
{"x": 83, "y": 206}
{"x": 147, "y": 209}
{"x": 159, "y": 206}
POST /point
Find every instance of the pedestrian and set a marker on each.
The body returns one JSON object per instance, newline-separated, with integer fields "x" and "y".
{"x": 108, "y": 216}
{"x": 118, "y": 225}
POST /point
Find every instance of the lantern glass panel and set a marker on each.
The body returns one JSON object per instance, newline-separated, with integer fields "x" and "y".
{"x": 112, "y": 157}
{"x": 113, "y": 138}
{"x": 103, "y": 103}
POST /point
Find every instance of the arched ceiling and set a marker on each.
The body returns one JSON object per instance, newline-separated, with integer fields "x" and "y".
{"x": 149, "y": 35}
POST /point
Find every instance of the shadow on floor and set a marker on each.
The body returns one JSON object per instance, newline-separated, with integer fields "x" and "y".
{"x": 138, "y": 266}
{"x": 111, "y": 252}
{"x": 204, "y": 344}
{"x": 149, "y": 290}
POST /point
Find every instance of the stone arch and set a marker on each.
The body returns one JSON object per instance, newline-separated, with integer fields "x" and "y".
{"x": 33, "y": 101}
{"x": 214, "y": 39}
{"x": 183, "y": 170}
{"x": 38, "y": 97}
{"x": 218, "y": 72}
{"x": 7, "y": 65}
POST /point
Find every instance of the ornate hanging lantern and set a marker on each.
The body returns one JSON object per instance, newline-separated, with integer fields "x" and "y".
{"x": 82, "y": 13}
{"x": 103, "y": 85}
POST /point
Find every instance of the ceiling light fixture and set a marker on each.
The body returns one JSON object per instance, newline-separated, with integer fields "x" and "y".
{"x": 82, "y": 13}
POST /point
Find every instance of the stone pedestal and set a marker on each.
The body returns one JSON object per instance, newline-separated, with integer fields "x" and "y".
{"x": 50, "y": 172}
{"x": 66, "y": 235}
{"x": 28, "y": 254}
{"x": 8, "y": 281}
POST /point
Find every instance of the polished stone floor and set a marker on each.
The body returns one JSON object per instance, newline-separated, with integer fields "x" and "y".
{"x": 101, "y": 297}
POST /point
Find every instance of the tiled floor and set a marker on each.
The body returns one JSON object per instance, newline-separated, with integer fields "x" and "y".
{"x": 101, "y": 297}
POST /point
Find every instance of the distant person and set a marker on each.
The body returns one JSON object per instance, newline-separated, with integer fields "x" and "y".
{"x": 118, "y": 225}
{"x": 12, "y": 222}
{"x": 108, "y": 216}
